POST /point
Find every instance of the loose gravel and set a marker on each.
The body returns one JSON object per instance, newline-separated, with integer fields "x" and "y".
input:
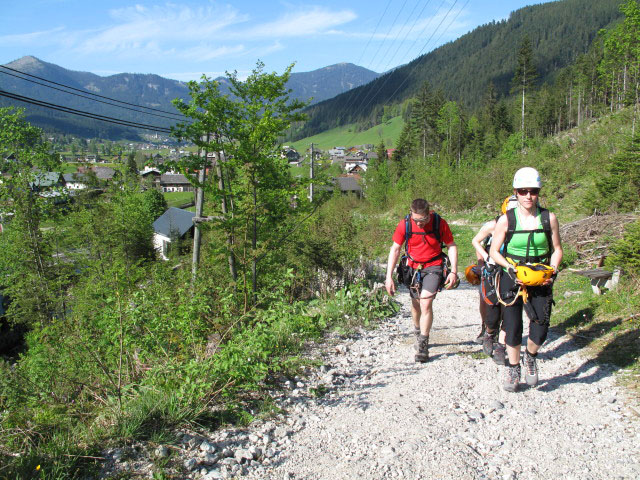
{"x": 371, "y": 412}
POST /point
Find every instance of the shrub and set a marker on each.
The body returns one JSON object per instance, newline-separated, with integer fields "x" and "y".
{"x": 626, "y": 251}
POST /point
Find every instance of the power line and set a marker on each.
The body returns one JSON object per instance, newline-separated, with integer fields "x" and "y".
{"x": 88, "y": 98}
{"x": 415, "y": 66}
{"x": 89, "y": 93}
{"x": 371, "y": 97}
{"x": 425, "y": 46}
{"x": 351, "y": 101}
{"x": 408, "y": 32}
{"x": 354, "y": 99}
{"x": 399, "y": 32}
{"x": 375, "y": 30}
{"x": 81, "y": 113}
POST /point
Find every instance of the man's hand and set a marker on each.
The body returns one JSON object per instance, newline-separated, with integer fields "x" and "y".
{"x": 450, "y": 281}
{"x": 390, "y": 285}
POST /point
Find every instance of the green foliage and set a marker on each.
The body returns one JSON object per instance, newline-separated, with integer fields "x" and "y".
{"x": 247, "y": 125}
{"x": 626, "y": 251}
{"x": 378, "y": 179}
{"x": 155, "y": 203}
{"x": 618, "y": 188}
{"x": 31, "y": 277}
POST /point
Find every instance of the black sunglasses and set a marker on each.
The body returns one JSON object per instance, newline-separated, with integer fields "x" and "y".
{"x": 524, "y": 191}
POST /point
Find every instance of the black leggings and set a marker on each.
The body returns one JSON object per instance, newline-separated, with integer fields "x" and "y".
{"x": 491, "y": 314}
{"x": 540, "y": 299}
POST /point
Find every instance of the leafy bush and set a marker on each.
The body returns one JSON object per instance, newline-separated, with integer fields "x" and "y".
{"x": 626, "y": 251}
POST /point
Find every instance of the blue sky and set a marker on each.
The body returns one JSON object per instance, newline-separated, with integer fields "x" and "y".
{"x": 184, "y": 39}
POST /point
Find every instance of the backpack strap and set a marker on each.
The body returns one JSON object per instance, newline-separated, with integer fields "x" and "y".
{"x": 487, "y": 241}
{"x": 546, "y": 226}
{"x": 407, "y": 233}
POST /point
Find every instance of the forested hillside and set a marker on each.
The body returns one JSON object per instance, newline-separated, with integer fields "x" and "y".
{"x": 463, "y": 69}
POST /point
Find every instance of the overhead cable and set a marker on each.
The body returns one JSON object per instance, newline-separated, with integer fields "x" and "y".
{"x": 375, "y": 30}
{"x": 351, "y": 101}
{"x": 416, "y": 64}
{"x": 89, "y": 93}
{"x": 424, "y": 47}
{"x": 400, "y": 30}
{"x": 88, "y": 98}
{"x": 81, "y": 113}
{"x": 406, "y": 77}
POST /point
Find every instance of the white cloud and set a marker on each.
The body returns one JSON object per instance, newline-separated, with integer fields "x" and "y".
{"x": 172, "y": 32}
{"x": 317, "y": 20}
{"x": 205, "y": 52}
{"x": 146, "y": 29}
{"x": 28, "y": 38}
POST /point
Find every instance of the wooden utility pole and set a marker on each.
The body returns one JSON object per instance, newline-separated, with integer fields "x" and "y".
{"x": 311, "y": 176}
{"x": 199, "y": 203}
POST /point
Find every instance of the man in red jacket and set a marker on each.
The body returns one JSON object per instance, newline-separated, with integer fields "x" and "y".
{"x": 426, "y": 259}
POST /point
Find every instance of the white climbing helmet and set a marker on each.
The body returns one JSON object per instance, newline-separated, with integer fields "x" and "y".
{"x": 527, "y": 177}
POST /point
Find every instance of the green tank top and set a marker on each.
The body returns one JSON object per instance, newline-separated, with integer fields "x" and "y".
{"x": 538, "y": 245}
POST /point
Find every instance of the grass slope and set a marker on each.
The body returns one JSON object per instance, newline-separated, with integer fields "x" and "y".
{"x": 346, "y": 137}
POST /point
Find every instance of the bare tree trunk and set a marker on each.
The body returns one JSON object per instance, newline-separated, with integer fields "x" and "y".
{"x": 579, "y": 106}
{"x": 522, "y": 123}
{"x": 196, "y": 231}
{"x": 232, "y": 259}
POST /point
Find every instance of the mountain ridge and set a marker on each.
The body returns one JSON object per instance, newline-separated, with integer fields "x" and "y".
{"x": 149, "y": 90}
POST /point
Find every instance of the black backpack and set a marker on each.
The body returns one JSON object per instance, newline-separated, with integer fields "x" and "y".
{"x": 511, "y": 230}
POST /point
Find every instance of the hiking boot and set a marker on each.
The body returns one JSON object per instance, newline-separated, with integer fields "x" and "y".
{"x": 487, "y": 343}
{"x": 512, "y": 378}
{"x": 480, "y": 338}
{"x": 422, "y": 349}
{"x": 499, "y": 354}
{"x": 530, "y": 368}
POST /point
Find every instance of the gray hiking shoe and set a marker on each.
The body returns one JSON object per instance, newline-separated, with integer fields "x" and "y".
{"x": 499, "y": 354}
{"x": 512, "y": 378}
{"x": 480, "y": 338}
{"x": 487, "y": 343}
{"x": 422, "y": 349}
{"x": 530, "y": 369}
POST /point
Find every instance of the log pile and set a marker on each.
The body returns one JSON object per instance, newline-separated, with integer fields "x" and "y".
{"x": 592, "y": 236}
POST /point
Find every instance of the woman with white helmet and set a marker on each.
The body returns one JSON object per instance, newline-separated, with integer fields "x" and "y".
{"x": 526, "y": 244}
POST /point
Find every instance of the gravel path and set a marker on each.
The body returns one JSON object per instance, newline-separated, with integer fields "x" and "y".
{"x": 381, "y": 415}
{"x": 450, "y": 418}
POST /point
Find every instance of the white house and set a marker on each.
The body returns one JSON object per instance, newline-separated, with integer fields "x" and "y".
{"x": 173, "y": 224}
{"x": 75, "y": 181}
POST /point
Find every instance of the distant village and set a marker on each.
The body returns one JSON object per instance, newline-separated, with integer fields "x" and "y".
{"x": 92, "y": 171}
